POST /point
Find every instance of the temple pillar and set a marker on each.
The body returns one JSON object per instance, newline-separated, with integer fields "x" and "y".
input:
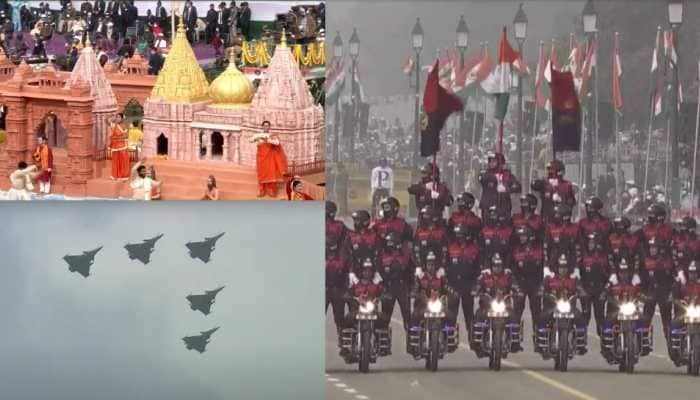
{"x": 227, "y": 143}
{"x": 18, "y": 140}
{"x": 80, "y": 147}
{"x": 236, "y": 143}
{"x": 210, "y": 135}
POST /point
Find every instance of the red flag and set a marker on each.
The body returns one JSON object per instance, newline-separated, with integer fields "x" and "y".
{"x": 438, "y": 104}
{"x": 566, "y": 112}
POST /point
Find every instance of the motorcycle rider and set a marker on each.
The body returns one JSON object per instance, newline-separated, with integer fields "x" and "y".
{"x": 462, "y": 269}
{"x": 391, "y": 222}
{"x": 430, "y": 234}
{"x": 430, "y": 191}
{"x": 362, "y": 242}
{"x": 685, "y": 240}
{"x": 334, "y": 228}
{"x": 623, "y": 244}
{"x": 497, "y": 183}
{"x": 656, "y": 227}
{"x": 657, "y": 274}
{"x": 561, "y": 236}
{"x": 464, "y": 215}
{"x": 595, "y": 272}
{"x": 494, "y": 280}
{"x": 396, "y": 269}
{"x": 528, "y": 268}
{"x": 528, "y": 217}
{"x": 594, "y": 222}
{"x": 367, "y": 287}
{"x": 687, "y": 290}
{"x": 336, "y": 277}
{"x": 496, "y": 234}
{"x": 554, "y": 189}
{"x": 562, "y": 285}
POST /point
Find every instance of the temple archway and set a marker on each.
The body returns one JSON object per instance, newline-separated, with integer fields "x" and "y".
{"x": 217, "y": 145}
{"x": 202, "y": 145}
{"x": 162, "y": 145}
{"x": 52, "y": 128}
{"x": 133, "y": 111}
{"x": 3, "y": 114}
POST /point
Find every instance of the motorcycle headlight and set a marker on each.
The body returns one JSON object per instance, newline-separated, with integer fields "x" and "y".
{"x": 693, "y": 311}
{"x": 367, "y": 308}
{"x": 498, "y": 306}
{"x": 435, "y": 306}
{"x": 628, "y": 309}
{"x": 563, "y": 306}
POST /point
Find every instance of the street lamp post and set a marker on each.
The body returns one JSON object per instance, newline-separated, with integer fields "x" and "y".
{"x": 354, "y": 53}
{"x": 337, "y": 57}
{"x": 417, "y": 41}
{"x": 675, "y": 18}
{"x": 520, "y": 27}
{"x": 462, "y": 43}
{"x": 590, "y": 19}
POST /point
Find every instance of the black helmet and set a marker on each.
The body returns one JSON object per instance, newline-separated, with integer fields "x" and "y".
{"x": 523, "y": 233}
{"x": 361, "y": 219}
{"x": 460, "y": 230}
{"x": 593, "y": 206}
{"x": 394, "y": 202}
{"x": 492, "y": 214}
{"x": 426, "y": 213}
{"x": 528, "y": 202}
{"x": 466, "y": 200}
{"x": 558, "y": 167}
{"x": 689, "y": 223}
{"x": 692, "y": 271}
{"x": 563, "y": 265}
{"x": 392, "y": 240}
{"x": 621, "y": 224}
{"x": 367, "y": 268}
{"x": 657, "y": 213}
{"x": 331, "y": 209}
{"x": 387, "y": 209}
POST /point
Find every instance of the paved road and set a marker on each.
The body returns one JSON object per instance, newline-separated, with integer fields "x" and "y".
{"x": 523, "y": 376}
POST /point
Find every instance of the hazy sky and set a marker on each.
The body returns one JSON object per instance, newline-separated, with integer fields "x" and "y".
{"x": 384, "y": 28}
{"x": 117, "y": 334}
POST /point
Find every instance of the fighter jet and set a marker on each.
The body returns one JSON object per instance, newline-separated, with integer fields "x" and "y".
{"x": 199, "y": 342}
{"x": 202, "y": 250}
{"x": 142, "y": 251}
{"x": 203, "y": 302}
{"x": 81, "y": 264}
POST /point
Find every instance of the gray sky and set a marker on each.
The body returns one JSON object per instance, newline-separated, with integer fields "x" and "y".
{"x": 384, "y": 28}
{"x": 117, "y": 334}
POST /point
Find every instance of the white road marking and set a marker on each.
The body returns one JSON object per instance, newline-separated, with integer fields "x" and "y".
{"x": 347, "y": 389}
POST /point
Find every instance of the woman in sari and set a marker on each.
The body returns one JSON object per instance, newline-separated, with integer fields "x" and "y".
{"x": 119, "y": 150}
{"x": 271, "y": 162}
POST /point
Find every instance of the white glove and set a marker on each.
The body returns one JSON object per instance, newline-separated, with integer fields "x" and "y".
{"x": 434, "y": 194}
{"x": 547, "y": 273}
{"x": 352, "y": 279}
{"x": 430, "y": 185}
{"x": 556, "y": 197}
{"x": 554, "y": 182}
{"x": 419, "y": 272}
{"x": 613, "y": 279}
{"x": 377, "y": 278}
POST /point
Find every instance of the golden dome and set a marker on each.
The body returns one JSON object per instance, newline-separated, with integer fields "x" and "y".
{"x": 181, "y": 79}
{"x": 232, "y": 87}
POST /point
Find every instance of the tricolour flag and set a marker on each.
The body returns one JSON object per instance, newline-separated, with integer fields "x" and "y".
{"x": 588, "y": 65}
{"x": 500, "y": 81}
{"x": 542, "y": 92}
{"x": 407, "y": 67}
{"x": 656, "y": 78}
{"x": 672, "y": 59}
{"x": 616, "y": 75}
{"x": 553, "y": 63}
{"x": 358, "y": 83}
{"x": 335, "y": 82}
{"x": 475, "y": 70}
{"x": 575, "y": 58}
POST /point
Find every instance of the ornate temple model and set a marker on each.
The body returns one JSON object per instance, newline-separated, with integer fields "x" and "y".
{"x": 186, "y": 120}
{"x": 191, "y": 129}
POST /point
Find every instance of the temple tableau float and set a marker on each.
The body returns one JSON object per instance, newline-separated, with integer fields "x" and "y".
{"x": 178, "y": 125}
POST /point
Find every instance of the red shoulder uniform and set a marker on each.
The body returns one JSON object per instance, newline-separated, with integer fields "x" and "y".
{"x": 462, "y": 262}
{"x": 467, "y": 218}
{"x": 534, "y": 222}
{"x": 369, "y": 290}
{"x": 336, "y": 270}
{"x": 397, "y": 225}
{"x": 560, "y": 286}
{"x": 528, "y": 262}
{"x": 336, "y": 229}
{"x": 598, "y": 225}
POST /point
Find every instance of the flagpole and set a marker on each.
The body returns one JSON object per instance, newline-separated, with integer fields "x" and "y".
{"x": 471, "y": 159}
{"x": 668, "y": 150}
{"x": 646, "y": 164}
{"x": 618, "y": 196}
{"x": 532, "y": 158}
{"x": 595, "y": 94}
{"x": 581, "y": 174}
{"x": 695, "y": 153}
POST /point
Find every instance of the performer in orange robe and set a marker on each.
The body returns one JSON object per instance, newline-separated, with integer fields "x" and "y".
{"x": 271, "y": 163}
{"x": 43, "y": 156}
{"x": 119, "y": 150}
{"x": 295, "y": 190}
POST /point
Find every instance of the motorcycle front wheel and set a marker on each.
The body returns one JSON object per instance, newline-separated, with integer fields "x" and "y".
{"x": 496, "y": 349}
{"x": 434, "y": 356}
{"x": 694, "y": 362}
{"x": 364, "y": 350}
{"x": 629, "y": 352}
{"x": 563, "y": 349}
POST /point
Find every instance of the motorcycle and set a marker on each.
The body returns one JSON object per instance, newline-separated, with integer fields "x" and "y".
{"x": 432, "y": 338}
{"x": 685, "y": 340}
{"x": 496, "y": 336}
{"x": 364, "y": 343}
{"x": 561, "y": 338}
{"x": 627, "y": 338}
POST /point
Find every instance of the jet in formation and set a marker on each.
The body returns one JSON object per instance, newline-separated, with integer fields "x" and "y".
{"x": 203, "y": 250}
{"x": 142, "y": 251}
{"x": 199, "y": 342}
{"x": 203, "y": 302}
{"x": 81, "y": 263}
